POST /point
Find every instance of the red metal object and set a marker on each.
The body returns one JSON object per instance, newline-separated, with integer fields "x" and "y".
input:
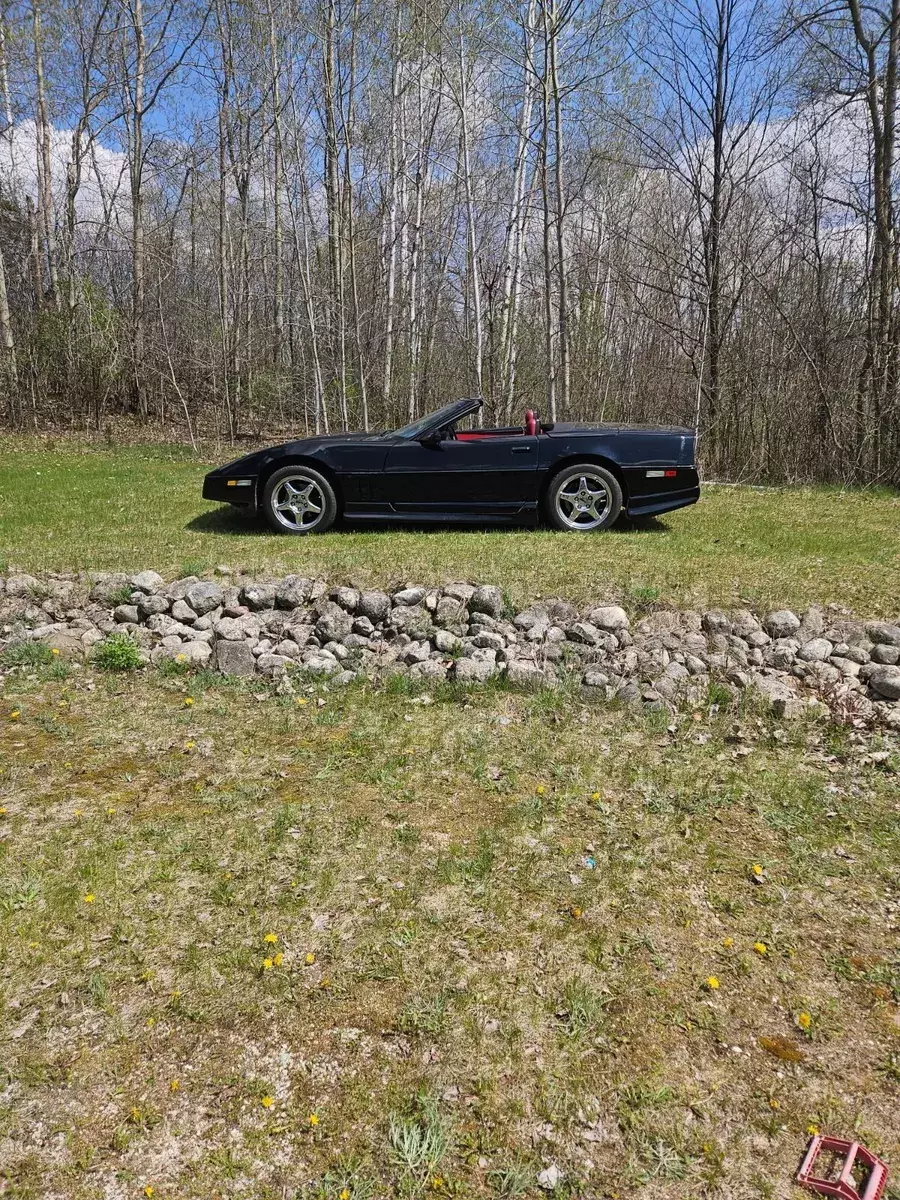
{"x": 871, "y": 1172}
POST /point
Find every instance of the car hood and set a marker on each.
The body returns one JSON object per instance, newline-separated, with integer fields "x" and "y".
{"x": 251, "y": 462}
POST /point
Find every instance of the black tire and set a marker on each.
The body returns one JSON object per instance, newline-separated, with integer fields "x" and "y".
{"x": 294, "y": 496}
{"x": 585, "y": 483}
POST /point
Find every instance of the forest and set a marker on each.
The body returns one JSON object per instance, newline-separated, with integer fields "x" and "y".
{"x": 248, "y": 218}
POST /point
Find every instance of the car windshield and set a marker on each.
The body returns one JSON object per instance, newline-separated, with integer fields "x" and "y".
{"x": 417, "y": 428}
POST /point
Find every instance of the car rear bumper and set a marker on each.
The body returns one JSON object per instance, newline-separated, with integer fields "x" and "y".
{"x": 230, "y": 489}
{"x": 659, "y": 502}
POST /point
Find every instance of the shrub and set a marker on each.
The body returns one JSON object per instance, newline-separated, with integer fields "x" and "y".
{"x": 121, "y": 595}
{"x": 117, "y": 653}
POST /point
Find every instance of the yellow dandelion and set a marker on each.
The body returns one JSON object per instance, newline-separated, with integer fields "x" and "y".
{"x": 313, "y": 1120}
{"x": 189, "y": 745}
{"x": 325, "y": 983}
{"x": 757, "y": 869}
{"x": 135, "y": 1115}
{"x": 89, "y": 898}
{"x": 301, "y": 700}
{"x": 774, "y": 1104}
{"x": 267, "y": 964}
{"x": 148, "y": 1190}
{"x": 188, "y": 701}
{"x": 110, "y": 812}
{"x": 761, "y": 948}
{"x": 55, "y": 650}
{"x": 344, "y": 1194}
{"x": 2, "y": 811}
{"x": 79, "y": 812}
{"x": 437, "y": 1182}
{"x": 14, "y": 715}
{"x": 179, "y": 658}
{"x": 267, "y": 1102}
{"x": 812, "y": 1130}
{"x": 712, "y": 984}
{"x": 271, "y": 938}
{"x": 174, "y": 1085}
{"x": 595, "y": 796}
{"x": 310, "y": 959}
{"x": 728, "y": 942}
{"x": 150, "y": 1022}
{"x": 278, "y": 959}
{"x": 804, "y": 1020}
{"x": 176, "y": 995}
{"x": 576, "y": 912}
{"x": 34, "y": 945}
{"x": 540, "y": 789}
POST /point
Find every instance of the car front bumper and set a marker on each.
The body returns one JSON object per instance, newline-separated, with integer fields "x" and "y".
{"x": 230, "y": 488}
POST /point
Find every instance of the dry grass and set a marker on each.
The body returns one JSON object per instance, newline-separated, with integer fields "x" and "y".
{"x": 66, "y": 505}
{"x": 514, "y": 906}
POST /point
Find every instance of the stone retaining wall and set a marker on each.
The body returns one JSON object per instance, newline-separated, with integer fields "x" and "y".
{"x": 295, "y": 625}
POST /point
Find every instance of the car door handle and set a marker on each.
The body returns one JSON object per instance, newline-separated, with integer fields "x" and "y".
{"x": 521, "y": 449}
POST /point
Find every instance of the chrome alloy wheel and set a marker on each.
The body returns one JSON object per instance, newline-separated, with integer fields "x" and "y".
{"x": 298, "y": 503}
{"x": 582, "y": 501}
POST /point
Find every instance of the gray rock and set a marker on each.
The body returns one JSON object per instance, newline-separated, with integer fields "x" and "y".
{"x": 585, "y": 633}
{"x": 299, "y": 634}
{"x": 459, "y": 591}
{"x": 108, "y": 586}
{"x": 885, "y": 680}
{"x": 183, "y": 612}
{"x": 292, "y": 591}
{"x": 486, "y": 599}
{"x": 430, "y": 668}
{"x": 695, "y": 664}
{"x": 180, "y": 588}
{"x": 781, "y": 697}
{"x": 782, "y": 624}
{"x": 318, "y": 663}
{"x": 374, "y": 605}
{"x": 347, "y": 598}
{"x": 486, "y": 640}
{"x": 812, "y": 625}
{"x": 449, "y": 611}
{"x": 883, "y": 652}
{"x": 337, "y": 650}
{"x": 743, "y": 623}
{"x": 126, "y": 613}
{"x": 535, "y": 617}
{"x": 525, "y": 674}
{"x": 204, "y": 597}
{"x": 342, "y": 678}
{"x": 257, "y": 596}
{"x": 610, "y": 618}
{"x": 151, "y": 604}
{"x": 147, "y": 581}
{"x": 595, "y": 679}
{"x": 197, "y": 653}
{"x": 409, "y": 596}
{"x": 716, "y": 621}
{"x": 287, "y": 649}
{"x": 22, "y": 585}
{"x": 363, "y": 626}
{"x": 881, "y": 633}
{"x": 472, "y": 670}
{"x": 66, "y": 644}
{"x": 231, "y": 629}
{"x": 334, "y": 622}
{"x": 273, "y": 664}
{"x": 416, "y": 652}
{"x": 413, "y": 620}
{"x": 447, "y": 643}
{"x": 817, "y": 650}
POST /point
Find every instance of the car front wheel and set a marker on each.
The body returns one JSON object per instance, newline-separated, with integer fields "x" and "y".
{"x": 583, "y": 498}
{"x": 299, "y": 500}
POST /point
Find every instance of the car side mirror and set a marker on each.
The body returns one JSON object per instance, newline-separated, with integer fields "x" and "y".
{"x": 431, "y": 439}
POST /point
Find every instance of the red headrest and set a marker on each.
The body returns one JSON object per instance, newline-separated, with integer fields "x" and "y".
{"x": 530, "y": 423}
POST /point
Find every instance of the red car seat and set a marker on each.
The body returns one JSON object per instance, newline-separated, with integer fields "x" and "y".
{"x": 531, "y": 423}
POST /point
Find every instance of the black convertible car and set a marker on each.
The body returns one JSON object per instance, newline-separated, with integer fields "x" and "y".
{"x": 579, "y": 477}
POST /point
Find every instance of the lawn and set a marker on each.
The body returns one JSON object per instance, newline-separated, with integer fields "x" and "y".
{"x": 68, "y": 505}
{"x": 384, "y": 943}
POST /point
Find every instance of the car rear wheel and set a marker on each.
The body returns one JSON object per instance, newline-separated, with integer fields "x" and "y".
{"x": 583, "y": 498}
{"x": 299, "y": 500}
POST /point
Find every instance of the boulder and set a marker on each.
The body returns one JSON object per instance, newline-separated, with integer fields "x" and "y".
{"x": 22, "y": 585}
{"x": 204, "y": 597}
{"x": 472, "y": 670}
{"x": 292, "y": 591}
{"x": 66, "y": 644}
{"x": 595, "y": 679}
{"x": 880, "y": 632}
{"x": 346, "y": 598}
{"x": 107, "y": 586}
{"x": 886, "y": 654}
{"x": 781, "y": 697}
{"x": 486, "y": 599}
{"x": 782, "y": 624}
{"x": 180, "y": 588}
{"x": 409, "y": 596}
{"x": 716, "y": 621}
{"x": 610, "y": 618}
{"x": 374, "y": 605}
{"x": 885, "y": 681}
{"x": 147, "y": 581}
{"x": 126, "y": 614}
{"x": 257, "y": 596}
{"x": 816, "y": 650}
{"x": 334, "y": 622}
{"x": 151, "y": 604}
{"x": 585, "y": 633}
{"x": 521, "y": 672}
{"x": 183, "y": 612}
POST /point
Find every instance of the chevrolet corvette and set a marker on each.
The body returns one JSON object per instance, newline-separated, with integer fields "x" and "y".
{"x": 578, "y": 478}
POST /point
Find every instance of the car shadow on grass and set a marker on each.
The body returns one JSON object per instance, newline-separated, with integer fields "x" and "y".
{"x": 229, "y": 521}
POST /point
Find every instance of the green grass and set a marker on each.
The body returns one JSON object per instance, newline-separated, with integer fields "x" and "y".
{"x": 462, "y": 999}
{"x": 67, "y": 505}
